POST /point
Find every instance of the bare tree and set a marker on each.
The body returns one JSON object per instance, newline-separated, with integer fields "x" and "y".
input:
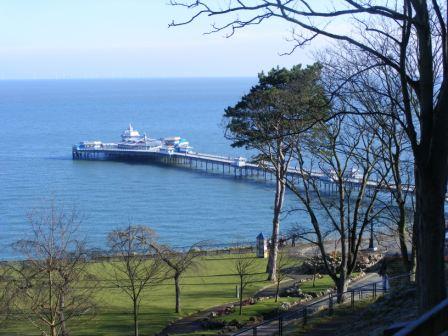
{"x": 244, "y": 266}
{"x": 376, "y": 95}
{"x": 397, "y": 173}
{"x": 178, "y": 263}
{"x": 283, "y": 262}
{"x": 315, "y": 263}
{"x": 46, "y": 288}
{"x": 138, "y": 266}
{"x": 347, "y": 157}
{"x": 414, "y": 48}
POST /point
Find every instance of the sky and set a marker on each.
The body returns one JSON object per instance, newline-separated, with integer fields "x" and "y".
{"x": 130, "y": 39}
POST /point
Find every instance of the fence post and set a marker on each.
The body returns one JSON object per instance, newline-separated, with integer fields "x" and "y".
{"x": 374, "y": 290}
{"x": 280, "y": 325}
{"x": 353, "y": 299}
{"x": 305, "y": 315}
{"x": 254, "y": 331}
{"x": 330, "y": 304}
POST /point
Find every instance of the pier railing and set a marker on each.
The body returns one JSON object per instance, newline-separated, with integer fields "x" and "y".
{"x": 113, "y": 151}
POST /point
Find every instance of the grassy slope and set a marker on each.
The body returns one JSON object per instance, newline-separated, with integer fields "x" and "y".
{"x": 370, "y": 317}
{"x": 268, "y": 306}
{"x": 320, "y": 322}
{"x": 320, "y": 284}
{"x": 212, "y": 283}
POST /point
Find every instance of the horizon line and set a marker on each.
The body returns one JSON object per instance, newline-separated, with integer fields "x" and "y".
{"x": 125, "y": 78}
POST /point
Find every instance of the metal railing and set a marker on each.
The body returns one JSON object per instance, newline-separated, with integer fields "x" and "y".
{"x": 433, "y": 322}
{"x": 303, "y": 313}
{"x": 206, "y": 249}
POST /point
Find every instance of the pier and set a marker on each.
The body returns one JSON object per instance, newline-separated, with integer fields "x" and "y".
{"x": 177, "y": 151}
{"x": 237, "y": 167}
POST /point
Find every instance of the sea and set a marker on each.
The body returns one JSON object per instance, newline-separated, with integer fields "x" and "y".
{"x": 40, "y": 120}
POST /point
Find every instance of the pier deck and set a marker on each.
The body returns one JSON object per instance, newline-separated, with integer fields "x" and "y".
{"x": 237, "y": 167}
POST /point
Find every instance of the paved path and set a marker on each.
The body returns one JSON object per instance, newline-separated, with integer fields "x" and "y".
{"x": 368, "y": 279}
{"x": 270, "y": 290}
{"x": 193, "y": 322}
{"x": 272, "y": 327}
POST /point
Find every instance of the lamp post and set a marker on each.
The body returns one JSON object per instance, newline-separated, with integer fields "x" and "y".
{"x": 372, "y": 247}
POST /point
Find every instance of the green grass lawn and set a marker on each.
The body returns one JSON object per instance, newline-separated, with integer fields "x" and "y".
{"x": 319, "y": 285}
{"x": 211, "y": 283}
{"x": 261, "y": 308}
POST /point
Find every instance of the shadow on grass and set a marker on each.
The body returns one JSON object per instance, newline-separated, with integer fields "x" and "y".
{"x": 121, "y": 323}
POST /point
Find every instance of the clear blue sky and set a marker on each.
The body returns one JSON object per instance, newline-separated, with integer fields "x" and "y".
{"x": 128, "y": 38}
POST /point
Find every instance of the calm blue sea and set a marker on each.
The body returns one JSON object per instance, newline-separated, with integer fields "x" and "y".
{"x": 40, "y": 120}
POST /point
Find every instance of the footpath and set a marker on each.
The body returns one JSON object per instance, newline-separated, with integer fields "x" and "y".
{"x": 272, "y": 327}
{"x": 194, "y": 323}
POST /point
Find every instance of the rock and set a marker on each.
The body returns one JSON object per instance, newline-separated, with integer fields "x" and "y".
{"x": 229, "y": 309}
{"x": 229, "y": 329}
{"x": 285, "y": 306}
{"x": 234, "y": 322}
{"x": 256, "y": 319}
{"x": 263, "y": 298}
{"x": 210, "y": 324}
{"x": 213, "y": 314}
{"x": 293, "y": 291}
{"x": 316, "y": 265}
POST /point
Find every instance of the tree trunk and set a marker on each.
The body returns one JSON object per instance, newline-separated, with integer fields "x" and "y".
{"x": 62, "y": 316}
{"x": 431, "y": 161}
{"x": 53, "y": 331}
{"x": 273, "y": 248}
{"x": 430, "y": 204}
{"x": 177, "y": 285}
{"x": 407, "y": 262}
{"x": 413, "y": 273}
{"x": 341, "y": 288}
{"x": 135, "y": 317}
{"x": 241, "y": 296}
{"x": 277, "y": 291}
